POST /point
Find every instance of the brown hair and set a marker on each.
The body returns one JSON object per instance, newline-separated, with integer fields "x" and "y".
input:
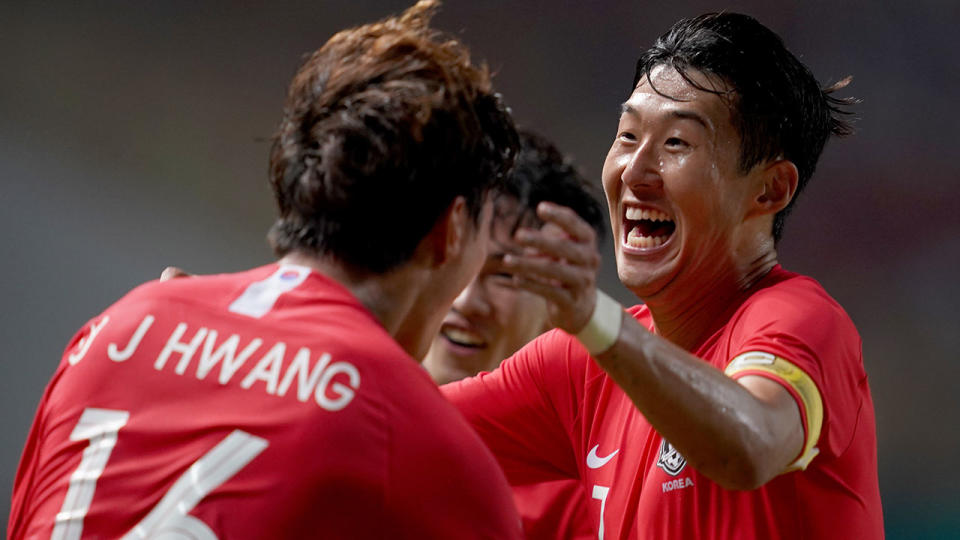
{"x": 382, "y": 128}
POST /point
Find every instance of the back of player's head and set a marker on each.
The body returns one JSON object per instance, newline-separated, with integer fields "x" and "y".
{"x": 777, "y": 105}
{"x": 542, "y": 173}
{"x": 383, "y": 127}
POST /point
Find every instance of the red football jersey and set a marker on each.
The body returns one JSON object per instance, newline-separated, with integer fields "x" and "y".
{"x": 550, "y": 411}
{"x": 264, "y": 404}
{"x": 555, "y": 510}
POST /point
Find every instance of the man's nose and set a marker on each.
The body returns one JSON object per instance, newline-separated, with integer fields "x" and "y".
{"x": 472, "y": 300}
{"x": 644, "y": 168}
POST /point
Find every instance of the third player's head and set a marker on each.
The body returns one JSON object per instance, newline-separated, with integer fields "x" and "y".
{"x": 384, "y": 128}
{"x": 491, "y": 319}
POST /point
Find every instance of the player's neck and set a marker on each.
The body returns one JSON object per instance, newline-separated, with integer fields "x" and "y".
{"x": 390, "y": 296}
{"x": 688, "y": 313}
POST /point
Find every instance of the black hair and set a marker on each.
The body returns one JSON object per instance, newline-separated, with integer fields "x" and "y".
{"x": 778, "y": 107}
{"x": 542, "y": 173}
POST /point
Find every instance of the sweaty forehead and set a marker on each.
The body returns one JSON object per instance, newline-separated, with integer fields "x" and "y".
{"x": 667, "y": 88}
{"x": 669, "y": 96}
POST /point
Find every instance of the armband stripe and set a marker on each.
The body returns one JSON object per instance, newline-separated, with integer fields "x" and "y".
{"x": 799, "y": 384}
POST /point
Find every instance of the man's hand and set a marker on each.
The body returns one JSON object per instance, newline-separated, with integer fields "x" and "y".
{"x": 559, "y": 262}
{"x": 172, "y": 272}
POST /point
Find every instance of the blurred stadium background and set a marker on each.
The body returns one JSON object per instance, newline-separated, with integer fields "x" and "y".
{"x": 132, "y": 136}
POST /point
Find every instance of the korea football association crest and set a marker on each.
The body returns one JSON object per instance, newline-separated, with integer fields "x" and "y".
{"x": 670, "y": 460}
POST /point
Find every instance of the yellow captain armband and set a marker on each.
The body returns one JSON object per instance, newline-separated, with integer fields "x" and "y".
{"x": 760, "y": 363}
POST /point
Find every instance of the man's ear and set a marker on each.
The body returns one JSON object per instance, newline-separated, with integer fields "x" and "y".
{"x": 779, "y": 185}
{"x": 446, "y": 237}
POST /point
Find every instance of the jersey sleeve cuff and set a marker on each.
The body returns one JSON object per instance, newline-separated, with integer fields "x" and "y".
{"x": 800, "y": 386}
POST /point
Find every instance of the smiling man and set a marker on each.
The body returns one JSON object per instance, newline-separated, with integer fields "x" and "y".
{"x": 492, "y": 318}
{"x": 734, "y": 403}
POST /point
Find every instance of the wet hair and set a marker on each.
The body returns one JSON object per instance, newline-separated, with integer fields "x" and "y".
{"x": 778, "y": 107}
{"x": 383, "y": 127}
{"x": 542, "y": 173}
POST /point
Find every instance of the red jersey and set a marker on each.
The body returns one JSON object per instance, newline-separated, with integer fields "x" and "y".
{"x": 264, "y": 404}
{"x": 555, "y": 510}
{"x": 551, "y": 412}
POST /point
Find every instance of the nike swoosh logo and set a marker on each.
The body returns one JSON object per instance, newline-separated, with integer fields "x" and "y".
{"x": 595, "y": 462}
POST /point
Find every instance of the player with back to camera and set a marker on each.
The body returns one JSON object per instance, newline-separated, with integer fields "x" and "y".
{"x": 287, "y": 401}
{"x": 491, "y": 318}
{"x": 734, "y": 403}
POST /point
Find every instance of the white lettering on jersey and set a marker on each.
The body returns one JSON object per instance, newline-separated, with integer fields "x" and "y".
{"x": 120, "y": 356}
{"x": 299, "y": 367}
{"x": 318, "y": 382}
{"x": 174, "y": 345}
{"x": 227, "y": 353}
{"x": 267, "y": 369}
{"x": 259, "y": 297}
{"x": 595, "y": 462}
{"x": 344, "y": 393}
{"x": 679, "y": 483}
{"x": 84, "y": 345}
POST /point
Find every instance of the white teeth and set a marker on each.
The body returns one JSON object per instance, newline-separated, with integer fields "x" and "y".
{"x": 636, "y": 239}
{"x": 634, "y": 213}
{"x": 463, "y": 337}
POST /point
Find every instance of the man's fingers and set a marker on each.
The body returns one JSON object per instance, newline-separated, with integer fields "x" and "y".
{"x": 548, "y": 271}
{"x": 553, "y": 246}
{"x": 172, "y": 272}
{"x": 551, "y": 293}
{"x": 567, "y": 219}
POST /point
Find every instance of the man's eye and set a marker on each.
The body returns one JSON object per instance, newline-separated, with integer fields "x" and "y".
{"x": 501, "y": 278}
{"x": 627, "y": 136}
{"x": 674, "y": 141}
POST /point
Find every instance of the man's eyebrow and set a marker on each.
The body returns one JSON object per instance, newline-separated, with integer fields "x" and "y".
{"x": 682, "y": 114}
{"x": 686, "y": 114}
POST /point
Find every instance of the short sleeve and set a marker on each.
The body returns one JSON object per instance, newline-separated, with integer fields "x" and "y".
{"x": 798, "y": 336}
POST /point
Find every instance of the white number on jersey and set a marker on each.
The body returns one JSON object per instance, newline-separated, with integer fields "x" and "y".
{"x": 169, "y": 519}
{"x": 600, "y": 493}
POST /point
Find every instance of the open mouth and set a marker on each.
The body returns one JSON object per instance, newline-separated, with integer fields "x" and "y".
{"x": 647, "y": 228}
{"x": 463, "y": 338}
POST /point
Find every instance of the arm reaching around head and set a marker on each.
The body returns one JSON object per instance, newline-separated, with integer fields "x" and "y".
{"x": 740, "y": 433}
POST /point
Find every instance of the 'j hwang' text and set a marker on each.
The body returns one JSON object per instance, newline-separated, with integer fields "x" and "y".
{"x": 207, "y": 351}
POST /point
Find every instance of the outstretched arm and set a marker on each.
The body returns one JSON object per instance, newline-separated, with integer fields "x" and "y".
{"x": 739, "y": 433}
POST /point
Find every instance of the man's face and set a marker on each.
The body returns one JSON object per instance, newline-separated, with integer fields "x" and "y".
{"x": 490, "y": 319}
{"x": 674, "y": 190}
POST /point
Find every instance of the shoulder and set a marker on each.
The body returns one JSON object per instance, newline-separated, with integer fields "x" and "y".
{"x": 797, "y": 303}
{"x": 192, "y": 290}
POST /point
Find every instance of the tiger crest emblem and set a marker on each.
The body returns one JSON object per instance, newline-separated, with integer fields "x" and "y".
{"x": 670, "y": 460}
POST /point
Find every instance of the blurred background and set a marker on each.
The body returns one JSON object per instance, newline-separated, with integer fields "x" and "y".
{"x": 133, "y": 136}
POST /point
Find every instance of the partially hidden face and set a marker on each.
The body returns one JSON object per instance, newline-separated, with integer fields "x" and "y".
{"x": 490, "y": 319}
{"x": 675, "y": 193}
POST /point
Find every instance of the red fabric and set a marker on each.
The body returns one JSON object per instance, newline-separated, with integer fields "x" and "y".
{"x": 547, "y": 407}
{"x": 395, "y": 461}
{"x": 554, "y": 510}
